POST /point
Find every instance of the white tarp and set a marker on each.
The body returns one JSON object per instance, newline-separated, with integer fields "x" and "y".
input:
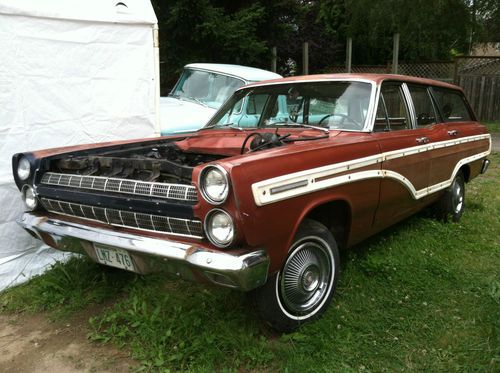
{"x": 71, "y": 72}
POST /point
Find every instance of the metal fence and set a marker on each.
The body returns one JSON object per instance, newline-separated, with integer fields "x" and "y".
{"x": 478, "y": 76}
{"x": 438, "y": 70}
{"x": 362, "y": 69}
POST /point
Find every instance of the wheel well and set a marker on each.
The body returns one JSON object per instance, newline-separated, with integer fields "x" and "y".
{"x": 336, "y": 216}
{"x": 466, "y": 172}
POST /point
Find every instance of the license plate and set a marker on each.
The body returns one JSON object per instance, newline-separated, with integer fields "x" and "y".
{"x": 114, "y": 257}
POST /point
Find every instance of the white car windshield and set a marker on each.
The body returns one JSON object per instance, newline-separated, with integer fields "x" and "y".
{"x": 329, "y": 104}
{"x": 206, "y": 88}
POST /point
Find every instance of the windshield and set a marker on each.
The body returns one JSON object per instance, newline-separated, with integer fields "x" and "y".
{"x": 330, "y": 104}
{"x": 206, "y": 88}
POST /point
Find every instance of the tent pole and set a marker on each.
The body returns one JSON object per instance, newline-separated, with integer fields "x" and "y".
{"x": 156, "y": 46}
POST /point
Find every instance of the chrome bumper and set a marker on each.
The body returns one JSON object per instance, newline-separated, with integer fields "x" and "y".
{"x": 244, "y": 270}
{"x": 484, "y": 167}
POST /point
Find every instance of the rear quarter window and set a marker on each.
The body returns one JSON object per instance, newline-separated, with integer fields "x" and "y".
{"x": 452, "y": 105}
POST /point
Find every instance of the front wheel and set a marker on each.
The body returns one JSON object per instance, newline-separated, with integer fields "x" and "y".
{"x": 304, "y": 287}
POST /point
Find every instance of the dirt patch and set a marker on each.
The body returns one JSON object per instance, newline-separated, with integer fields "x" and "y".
{"x": 33, "y": 343}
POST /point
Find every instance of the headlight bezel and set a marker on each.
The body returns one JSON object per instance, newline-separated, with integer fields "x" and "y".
{"x": 201, "y": 183}
{"x": 209, "y": 233}
{"x": 34, "y": 197}
{"x": 23, "y": 161}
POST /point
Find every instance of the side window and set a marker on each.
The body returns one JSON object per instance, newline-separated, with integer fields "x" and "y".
{"x": 256, "y": 104}
{"x": 397, "y": 115}
{"x": 452, "y": 105}
{"x": 381, "y": 121}
{"x": 424, "y": 110}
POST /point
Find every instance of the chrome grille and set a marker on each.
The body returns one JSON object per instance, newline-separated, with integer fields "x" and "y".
{"x": 116, "y": 185}
{"x": 128, "y": 219}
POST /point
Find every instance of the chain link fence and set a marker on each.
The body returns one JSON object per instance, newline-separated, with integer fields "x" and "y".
{"x": 476, "y": 65}
{"x": 439, "y": 70}
{"x": 443, "y": 71}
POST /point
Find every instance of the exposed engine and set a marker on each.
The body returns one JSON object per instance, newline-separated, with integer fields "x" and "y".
{"x": 160, "y": 163}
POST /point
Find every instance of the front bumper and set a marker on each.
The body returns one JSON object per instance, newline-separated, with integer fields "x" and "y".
{"x": 244, "y": 270}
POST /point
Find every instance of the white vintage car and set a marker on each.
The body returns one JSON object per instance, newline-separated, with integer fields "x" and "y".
{"x": 202, "y": 89}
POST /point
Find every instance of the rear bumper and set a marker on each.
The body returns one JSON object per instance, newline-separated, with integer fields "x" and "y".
{"x": 243, "y": 270}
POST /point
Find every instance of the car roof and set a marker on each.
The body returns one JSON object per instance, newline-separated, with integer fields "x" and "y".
{"x": 376, "y": 78}
{"x": 250, "y": 74}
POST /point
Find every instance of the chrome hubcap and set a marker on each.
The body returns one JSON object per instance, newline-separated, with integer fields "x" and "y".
{"x": 310, "y": 279}
{"x": 457, "y": 197}
{"x": 305, "y": 278}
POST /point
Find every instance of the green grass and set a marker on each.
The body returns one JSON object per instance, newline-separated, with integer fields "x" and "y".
{"x": 423, "y": 295}
{"x": 66, "y": 288}
{"x": 493, "y": 126}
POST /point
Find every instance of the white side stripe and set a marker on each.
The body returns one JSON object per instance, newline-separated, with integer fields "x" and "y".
{"x": 319, "y": 178}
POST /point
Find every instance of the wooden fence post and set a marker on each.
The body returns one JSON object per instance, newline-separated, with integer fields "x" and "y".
{"x": 274, "y": 58}
{"x": 305, "y": 58}
{"x": 348, "y": 53}
{"x": 395, "y": 54}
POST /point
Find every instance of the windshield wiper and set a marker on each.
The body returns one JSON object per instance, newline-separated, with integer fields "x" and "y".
{"x": 198, "y": 101}
{"x": 189, "y": 98}
{"x": 288, "y": 124}
{"x": 230, "y": 125}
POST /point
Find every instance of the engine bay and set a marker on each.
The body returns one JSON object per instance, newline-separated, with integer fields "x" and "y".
{"x": 167, "y": 160}
{"x": 161, "y": 162}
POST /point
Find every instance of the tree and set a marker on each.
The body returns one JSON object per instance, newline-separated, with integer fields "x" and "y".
{"x": 201, "y": 31}
{"x": 428, "y": 30}
{"x": 484, "y": 21}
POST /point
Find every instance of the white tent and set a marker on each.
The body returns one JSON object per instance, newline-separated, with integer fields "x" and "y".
{"x": 71, "y": 72}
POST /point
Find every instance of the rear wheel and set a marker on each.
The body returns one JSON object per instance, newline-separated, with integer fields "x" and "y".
{"x": 304, "y": 287}
{"x": 452, "y": 203}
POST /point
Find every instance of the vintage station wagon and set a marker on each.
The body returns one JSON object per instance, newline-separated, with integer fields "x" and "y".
{"x": 263, "y": 202}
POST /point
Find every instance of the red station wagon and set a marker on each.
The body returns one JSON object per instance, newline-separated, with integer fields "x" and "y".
{"x": 262, "y": 198}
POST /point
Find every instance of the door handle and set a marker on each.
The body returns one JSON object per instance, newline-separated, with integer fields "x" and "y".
{"x": 422, "y": 140}
{"x": 453, "y": 133}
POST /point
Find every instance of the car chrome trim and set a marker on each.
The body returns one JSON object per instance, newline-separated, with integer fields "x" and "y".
{"x": 409, "y": 104}
{"x": 179, "y": 192}
{"x": 127, "y": 219}
{"x": 244, "y": 270}
{"x": 292, "y": 185}
{"x": 209, "y": 234}
{"x": 284, "y": 188}
{"x": 484, "y": 167}
{"x": 204, "y": 194}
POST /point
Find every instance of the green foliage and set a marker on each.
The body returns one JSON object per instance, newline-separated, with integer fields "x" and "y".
{"x": 485, "y": 16}
{"x": 493, "y": 126}
{"x": 243, "y": 32}
{"x": 67, "y": 287}
{"x": 201, "y": 31}
{"x": 182, "y": 327}
{"x": 428, "y": 30}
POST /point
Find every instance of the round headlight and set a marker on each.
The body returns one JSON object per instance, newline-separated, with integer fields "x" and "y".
{"x": 29, "y": 197}
{"x": 214, "y": 184}
{"x": 219, "y": 228}
{"x": 23, "y": 168}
